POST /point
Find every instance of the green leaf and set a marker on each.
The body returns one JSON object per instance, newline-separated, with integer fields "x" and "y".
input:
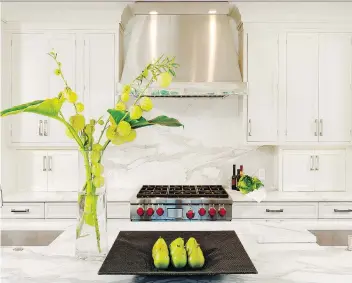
{"x": 117, "y": 115}
{"x": 166, "y": 121}
{"x": 49, "y": 107}
{"x": 140, "y": 123}
{"x": 172, "y": 72}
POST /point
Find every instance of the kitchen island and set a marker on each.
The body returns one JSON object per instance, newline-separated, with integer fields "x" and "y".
{"x": 282, "y": 252}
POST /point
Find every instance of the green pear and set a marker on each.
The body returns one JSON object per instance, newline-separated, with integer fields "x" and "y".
{"x": 161, "y": 259}
{"x": 177, "y": 243}
{"x": 179, "y": 257}
{"x": 159, "y": 244}
{"x": 196, "y": 258}
{"x": 191, "y": 243}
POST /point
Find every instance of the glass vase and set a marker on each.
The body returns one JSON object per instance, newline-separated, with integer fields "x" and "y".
{"x": 91, "y": 229}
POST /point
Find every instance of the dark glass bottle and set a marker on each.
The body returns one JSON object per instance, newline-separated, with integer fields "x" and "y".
{"x": 234, "y": 178}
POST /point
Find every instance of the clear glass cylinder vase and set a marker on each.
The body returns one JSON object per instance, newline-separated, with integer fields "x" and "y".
{"x": 91, "y": 229}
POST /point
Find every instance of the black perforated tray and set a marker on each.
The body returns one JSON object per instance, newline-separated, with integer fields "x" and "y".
{"x": 131, "y": 254}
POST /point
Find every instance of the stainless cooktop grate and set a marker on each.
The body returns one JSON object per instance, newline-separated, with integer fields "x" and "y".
{"x": 178, "y": 191}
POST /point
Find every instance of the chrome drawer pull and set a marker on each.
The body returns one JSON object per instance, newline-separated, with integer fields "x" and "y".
{"x": 342, "y": 210}
{"x": 20, "y": 210}
{"x": 274, "y": 210}
{"x": 249, "y": 127}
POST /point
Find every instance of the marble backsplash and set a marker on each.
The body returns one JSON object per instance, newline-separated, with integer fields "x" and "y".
{"x": 202, "y": 152}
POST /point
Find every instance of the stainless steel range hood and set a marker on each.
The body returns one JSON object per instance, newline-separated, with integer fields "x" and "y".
{"x": 204, "y": 46}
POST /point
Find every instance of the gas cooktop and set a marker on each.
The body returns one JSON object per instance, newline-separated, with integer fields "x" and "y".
{"x": 181, "y": 202}
{"x": 177, "y": 191}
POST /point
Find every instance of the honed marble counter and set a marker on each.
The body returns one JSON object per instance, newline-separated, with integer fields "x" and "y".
{"x": 124, "y": 195}
{"x": 282, "y": 251}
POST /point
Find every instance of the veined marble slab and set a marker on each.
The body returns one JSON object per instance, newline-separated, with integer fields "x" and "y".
{"x": 279, "y": 262}
{"x": 124, "y": 195}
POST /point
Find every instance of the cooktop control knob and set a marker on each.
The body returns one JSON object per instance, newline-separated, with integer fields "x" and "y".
{"x": 222, "y": 211}
{"x": 212, "y": 211}
{"x": 190, "y": 214}
{"x": 202, "y": 211}
{"x": 160, "y": 211}
{"x": 140, "y": 211}
{"x": 150, "y": 211}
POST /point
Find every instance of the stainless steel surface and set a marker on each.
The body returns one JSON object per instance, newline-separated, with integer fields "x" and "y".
{"x": 332, "y": 237}
{"x": 311, "y": 163}
{"x": 316, "y": 127}
{"x": 27, "y": 238}
{"x": 40, "y": 126}
{"x": 44, "y": 163}
{"x": 343, "y": 210}
{"x": 46, "y": 128}
{"x": 174, "y": 212}
{"x": 178, "y": 200}
{"x": 317, "y": 162}
{"x": 204, "y": 46}
{"x": 1, "y": 199}
{"x": 274, "y": 210}
{"x": 321, "y": 127}
{"x": 249, "y": 127}
{"x": 20, "y": 210}
{"x": 50, "y": 163}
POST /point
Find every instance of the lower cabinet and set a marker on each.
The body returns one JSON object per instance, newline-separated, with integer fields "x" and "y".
{"x": 335, "y": 210}
{"x": 61, "y": 210}
{"x": 40, "y": 170}
{"x": 313, "y": 170}
{"x": 118, "y": 210}
{"x": 275, "y": 210}
{"x": 23, "y": 210}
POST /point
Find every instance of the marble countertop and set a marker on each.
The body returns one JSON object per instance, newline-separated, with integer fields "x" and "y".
{"x": 282, "y": 251}
{"x": 127, "y": 194}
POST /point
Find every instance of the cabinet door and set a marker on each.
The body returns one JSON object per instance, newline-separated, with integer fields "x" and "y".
{"x": 99, "y": 74}
{"x": 29, "y": 81}
{"x": 331, "y": 170}
{"x": 62, "y": 170}
{"x": 335, "y": 58}
{"x": 302, "y": 87}
{"x": 298, "y": 170}
{"x": 31, "y": 170}
{"x": 65, "y": 46}
{"x": 262, "y": 62}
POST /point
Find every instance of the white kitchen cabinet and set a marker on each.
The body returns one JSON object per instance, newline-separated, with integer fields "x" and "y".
{"x": 61, "y": 210}
{"x": 65, "y": 46}
{"x": 39, "y": 170}
{"x": 318, "y": 87}
{"x": 62, "y": 169}
{"x": 335, "y": 59}
{"x": 99, "y": 73}
{"x": 31, "y": 170}
{"x": 297, "y": 170}
{"x": 22, "y": 210}
{"x": 314, "y": 170}
{"x": 29, "y": 81}
{"x": 335, "y": 210}
{"x": 89, "y": 64}
{"x": 330, "y": 170}
{"x": 275, "y": 210}
{"x": 302, "y": 61}
{"x": 118, "y": 210}
{"x": 262, "y": 65}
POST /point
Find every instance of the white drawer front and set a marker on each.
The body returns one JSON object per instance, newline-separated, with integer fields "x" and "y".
{"x": 335, "y": 210}
{"x": 22, "y": 210}
{"x": 63, "y": 210}
{"x": 275, "y": 210}
{"x": 120, "y": 210}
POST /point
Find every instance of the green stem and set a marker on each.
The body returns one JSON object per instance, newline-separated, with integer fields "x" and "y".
{"x": 103, "y": 130}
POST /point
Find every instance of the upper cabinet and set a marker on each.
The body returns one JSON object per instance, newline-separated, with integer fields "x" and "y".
{"x": 318, "y": 87}
{"x": 262, "y": 77}
{"x": 89, "y": 64}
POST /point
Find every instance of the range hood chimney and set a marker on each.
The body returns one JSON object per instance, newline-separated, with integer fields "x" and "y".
{"x": 202, "y": 40}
